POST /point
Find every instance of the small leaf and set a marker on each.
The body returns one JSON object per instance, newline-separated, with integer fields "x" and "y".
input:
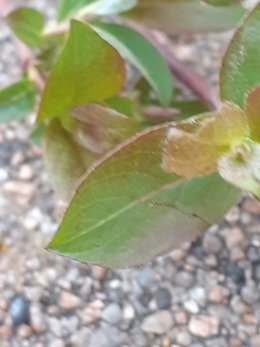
{"x": 65, "y": 160}
{"x": 17, "y": 100}
{"x": 241, "y": 167}
{"x": 28, "y": 25}
{"x": 93, "y": 131}
{"x": 185, "y": 16}
{"x": 127, "y": 210}
{"x": 240, "y": 67}
{"x": 193, "y": 147}
{"x": 88, "y": 70}
{"x": 100, "y": 128}
{"x": 253, "y": 112}
{"x": 142, "y": 54}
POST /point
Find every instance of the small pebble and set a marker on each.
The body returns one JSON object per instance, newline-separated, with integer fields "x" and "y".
{"x": 19, "y": 310}
{"x": 158, "y": 323}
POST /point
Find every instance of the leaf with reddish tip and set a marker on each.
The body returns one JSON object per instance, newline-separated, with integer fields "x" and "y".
{"x": 88, "y": 70}
{"x": 93, "y": 131}
{"x": 241, "y": 167}
{"x": 193, "y": 147}
{"x": 185, "y": 16}
{"x": 253, "y": 112}
{"x": 127, "y": 210}
{"x": 240, "y": 68}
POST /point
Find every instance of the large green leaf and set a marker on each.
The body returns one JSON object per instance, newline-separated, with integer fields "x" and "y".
{"x": 93, "y": 130}
{"x": 88, "y": 70}
{"x": 188, "y": 16}
{"x": 142, "y": 54}
{"x": 240, "y": 70}
{"x": 17, "y": 100}
{"x": 28, "y": 25}
{"x": 127, "y": 210}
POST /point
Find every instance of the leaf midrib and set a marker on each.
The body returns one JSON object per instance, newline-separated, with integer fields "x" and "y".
{"x": 122, "y": 210}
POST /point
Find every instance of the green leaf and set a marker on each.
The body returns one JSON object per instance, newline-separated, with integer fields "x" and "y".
{"x": 49, "y": 52}
{"x": 88, "y": 70}
{"x": 109, "y": 7}
{"x": 221, "y": 2}
{"x": 123, "y": 104}
{"x": 65, "y": 159}
{"x": 127, "y": 210}
{"x": 28, "y": 25}
{"x": 142, "y": 54}
{"x": 93, "y": 130}
{"x": 240, "y": 67}
{"x": 241, "y": 167}
{"x": 36, "y": 134}
{"x": 188, "y": 108}
{"x": 17, "y": 100}
{"x": 194, "y": 147}
{"x": 93, "y": 7}
{"x": 185, "y": 16}
{"x": 69, "y": 7}
{"x": 253, "y": 112}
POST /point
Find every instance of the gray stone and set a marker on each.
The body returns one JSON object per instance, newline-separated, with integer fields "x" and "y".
{"x": 255, "y": 341}
{"x": 68, "y": 301}
{"x": 57, "y": 343}
{"x": 199, "y": 295}
{"x": 158, "y": 323}
{"x": 191, "y": 306}
{"x": 106, "y": 337}
{"x": 184, "y": 338}
{"x": 184, "y": 279}
{"x": 112, "y": 314}
{"x": 163, "y": 299}
{"x": 128, "y": 312}
{"x": 81, "y": 338}
{"x": 234, "y": 237}
{"x": 37, "y": 319}
{"x": 204, "y": 326}
{"x": 145, "y": 277}
{"x": 212, "y": 244}
{"x": 250, "y": 294}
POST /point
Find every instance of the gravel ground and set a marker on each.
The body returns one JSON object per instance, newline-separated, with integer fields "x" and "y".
{"x": 203, "y": 295}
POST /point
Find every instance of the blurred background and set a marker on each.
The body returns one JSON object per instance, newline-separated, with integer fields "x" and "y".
{"x": 203, "y": 295}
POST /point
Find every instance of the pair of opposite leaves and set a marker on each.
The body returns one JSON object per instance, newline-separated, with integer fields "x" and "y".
{"x": 227, "y": 142}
